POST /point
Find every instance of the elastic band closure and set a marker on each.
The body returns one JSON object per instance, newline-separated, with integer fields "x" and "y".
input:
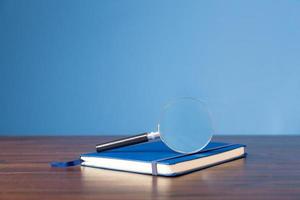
{"x": 154, "y": 168}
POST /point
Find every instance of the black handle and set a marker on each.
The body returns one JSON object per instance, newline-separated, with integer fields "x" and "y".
{"x": 122, "y": 142}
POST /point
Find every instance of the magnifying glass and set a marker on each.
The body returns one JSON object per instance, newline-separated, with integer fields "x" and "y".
{"x": 185, "y": 126}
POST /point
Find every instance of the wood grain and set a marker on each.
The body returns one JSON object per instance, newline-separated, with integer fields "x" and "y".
{"x": 271, "y": 171}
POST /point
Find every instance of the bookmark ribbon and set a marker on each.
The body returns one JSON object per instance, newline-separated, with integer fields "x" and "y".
{"x": 66, "y": 164}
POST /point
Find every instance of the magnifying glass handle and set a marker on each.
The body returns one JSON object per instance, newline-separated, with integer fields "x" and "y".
{"x": 144, "y": 137}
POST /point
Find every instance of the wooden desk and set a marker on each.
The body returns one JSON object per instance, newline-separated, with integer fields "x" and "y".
{"x": 271, "y": 171}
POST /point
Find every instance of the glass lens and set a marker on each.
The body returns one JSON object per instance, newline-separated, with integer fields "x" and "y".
{"x": 185, "y": 125}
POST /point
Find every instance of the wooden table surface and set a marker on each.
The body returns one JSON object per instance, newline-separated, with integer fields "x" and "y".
{"x": 271, "y": 171}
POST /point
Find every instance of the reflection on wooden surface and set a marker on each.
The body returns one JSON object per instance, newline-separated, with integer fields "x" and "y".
{"x": 108, "y": 181}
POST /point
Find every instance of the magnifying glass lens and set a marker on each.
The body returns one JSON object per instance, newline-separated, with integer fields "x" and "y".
{"x": 185, "y": 125}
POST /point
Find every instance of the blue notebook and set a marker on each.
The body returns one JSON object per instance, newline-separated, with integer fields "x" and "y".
{"x": 157, "y": 159}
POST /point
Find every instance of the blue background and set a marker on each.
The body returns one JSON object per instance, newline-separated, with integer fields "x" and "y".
{"x": 107, "y": 67}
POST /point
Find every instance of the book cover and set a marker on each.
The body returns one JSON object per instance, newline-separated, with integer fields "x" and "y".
{"x": 157, "y": 159}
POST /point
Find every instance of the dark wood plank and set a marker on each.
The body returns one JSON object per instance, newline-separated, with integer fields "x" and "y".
{"x": 271, "y": 171}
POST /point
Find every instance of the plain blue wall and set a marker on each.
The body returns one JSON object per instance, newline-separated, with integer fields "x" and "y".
{"x": 107, "y": 67}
